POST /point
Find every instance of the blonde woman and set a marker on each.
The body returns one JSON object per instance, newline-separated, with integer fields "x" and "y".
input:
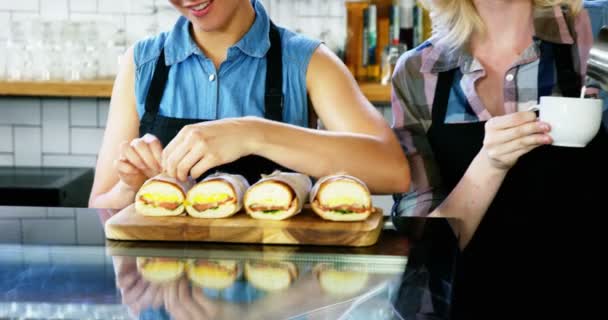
{"x": 459, "y": 104}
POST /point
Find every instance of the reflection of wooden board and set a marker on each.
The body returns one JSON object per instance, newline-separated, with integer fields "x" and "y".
{"x": 305, "y": 228}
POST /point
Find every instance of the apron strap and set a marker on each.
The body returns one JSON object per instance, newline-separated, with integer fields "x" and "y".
{"x": 558, "y": 58}
{"x": 568, "y": 80}
{"x": 442, "y": 96}
{"x": 274, "y": 99}
{"x": 157, "y": 87}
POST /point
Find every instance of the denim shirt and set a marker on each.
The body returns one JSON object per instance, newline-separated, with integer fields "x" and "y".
{"x": 196, "y": 90}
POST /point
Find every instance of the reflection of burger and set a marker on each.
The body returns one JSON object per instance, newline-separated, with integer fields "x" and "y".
{"x": 270, "y": 276}
{"x": 160, "y": 270}
{"x": 339, "y": 282}
{"x": 218, "y": 274}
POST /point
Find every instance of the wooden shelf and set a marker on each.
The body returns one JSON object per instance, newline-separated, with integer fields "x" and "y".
{"x": 375, "y": 92}
{"x": 82, "y": 89}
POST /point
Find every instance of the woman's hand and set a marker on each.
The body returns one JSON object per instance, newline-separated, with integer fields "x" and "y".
{"x": 200, "y": 147}
{"x": 139, "y": 160}
{"x": 510, "y": 136}
{"x": 137, "y": 294}
{"x": 185, "y": 301}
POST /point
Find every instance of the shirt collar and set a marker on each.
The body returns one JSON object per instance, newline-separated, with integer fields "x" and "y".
{"x": 179, "y": 45}
{"x": 256, "y": 41}
{"x": 550, "y": 24}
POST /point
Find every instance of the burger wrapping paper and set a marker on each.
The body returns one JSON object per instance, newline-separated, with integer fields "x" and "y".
{"x": 238, "y": 183}
{"x": 299, "y": 183}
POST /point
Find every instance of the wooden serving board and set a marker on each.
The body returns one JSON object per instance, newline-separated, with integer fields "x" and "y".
{"x": 306, "y": 228}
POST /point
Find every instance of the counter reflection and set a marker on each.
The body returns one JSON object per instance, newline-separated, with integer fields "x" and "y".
{"x": 191, "y": 288}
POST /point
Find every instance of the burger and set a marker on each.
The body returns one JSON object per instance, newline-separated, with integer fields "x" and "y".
{"x": 219, "y": 196}
{"x": 160, "y": 270}
{"x": 161, "y": 196}
{"x": 341, "y": 198}
{"x": 340, "y": 282}
{"x": 278, "y": 196}
{"x": 270, "y": 276}
{"x": 213, "y": 274}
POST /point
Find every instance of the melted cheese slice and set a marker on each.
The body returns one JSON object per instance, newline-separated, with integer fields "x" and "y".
{"x": 161, "y": 198}
{"x": 209, "y": 198}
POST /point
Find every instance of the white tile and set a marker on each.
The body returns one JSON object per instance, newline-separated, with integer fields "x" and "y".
{"x": 312, "y": 26}
{"x": 89, "y": 229}
{"x": 36, "y": 231}
{"x": 266, "y": 4}
{"x": 20, "y": 5}
{"x": 115, "y": 20}
{"x": 10, "y": 231}
{"x": 7, "y": 160}
{"x": 140, "y": 27}
{"x": 6, "y": 139}
{"x": 20, "y": 111}
{"x": 103, "y": 106}
{"x": 28, "y": 146}
{"x": 83, "y": 112}
{"x": 167, "y": 19}
{"x": 60, "y": 212}
{"x": 141, "y": 6}
{"x": 22, "y": 212}
{"x": 113, "y": 6}
{"x": 272, "y": 8}
{"x": 25, "y": 15}
{"x": 310, "y": 8}
{"x": 54, "y": 9}
{"x": 86, "y": 141}
{"x": 4, "y": 26}
{"x": 284, "y": 14}
{"x": 51, "y": 161}
{"x": 336, "y": 8}
{"x": 83, "y": 5}
{"x": 55, "y": 126}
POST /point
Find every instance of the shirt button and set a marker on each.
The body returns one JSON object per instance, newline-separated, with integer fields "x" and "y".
{"x": 212, "y": 77}
{"x": 510, "y": 77}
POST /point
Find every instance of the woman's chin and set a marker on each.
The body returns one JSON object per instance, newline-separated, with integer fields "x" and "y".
{"x": 205, "y": 24}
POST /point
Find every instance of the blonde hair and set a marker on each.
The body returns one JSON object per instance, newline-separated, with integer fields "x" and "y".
{"x": 454, "y": 21}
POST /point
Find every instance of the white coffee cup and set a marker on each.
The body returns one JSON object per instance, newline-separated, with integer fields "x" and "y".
{"x": 574, "y": 121}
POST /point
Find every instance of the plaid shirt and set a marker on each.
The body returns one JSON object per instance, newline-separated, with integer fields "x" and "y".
{"x": 415, "y": 80}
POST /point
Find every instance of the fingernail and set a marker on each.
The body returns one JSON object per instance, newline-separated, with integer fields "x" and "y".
{"x": 544, "y": 127}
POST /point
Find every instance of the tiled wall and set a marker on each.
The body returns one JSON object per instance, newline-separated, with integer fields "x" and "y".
{"x": 51, "y": 132}
{"x": 323, "y": 19}
{"x": 70, "y": 226}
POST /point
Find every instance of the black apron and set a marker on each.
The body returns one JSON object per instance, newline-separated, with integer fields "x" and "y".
{"x": 166, "y": 128}
{"x": 533, "y": 239}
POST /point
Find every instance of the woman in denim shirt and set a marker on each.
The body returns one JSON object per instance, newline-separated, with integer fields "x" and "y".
{"x": 227, "y": 90}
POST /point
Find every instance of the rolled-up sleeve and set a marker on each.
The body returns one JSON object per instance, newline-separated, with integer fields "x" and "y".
{"x": 412, "y": 93}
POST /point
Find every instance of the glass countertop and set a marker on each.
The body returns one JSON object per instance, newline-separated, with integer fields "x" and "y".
{"x": 55, "y": 263}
